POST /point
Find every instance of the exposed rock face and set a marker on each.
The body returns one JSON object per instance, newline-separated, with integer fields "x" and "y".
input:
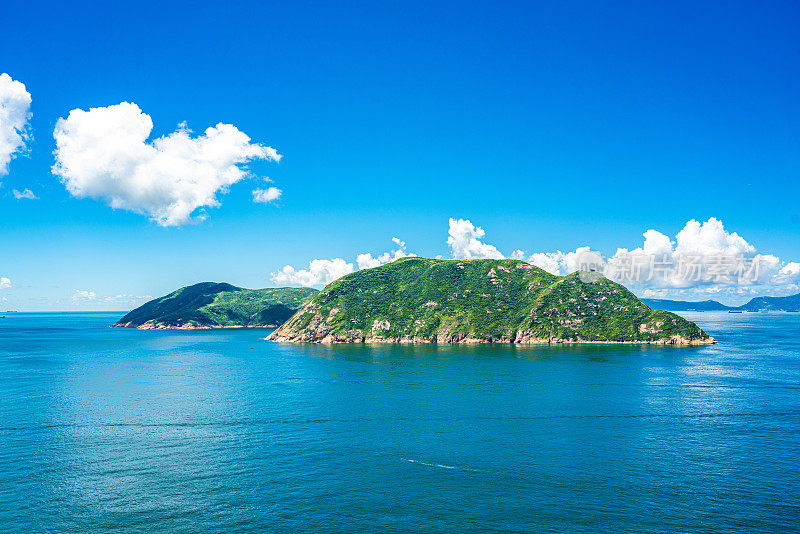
{"x": 416, "y": 300}
{"x": 153, "y": 325}
{"x": 330, "y": 338}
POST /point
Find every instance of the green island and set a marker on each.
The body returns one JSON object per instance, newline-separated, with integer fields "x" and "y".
{"x": 218, "y": 305}
{"x": 418, "y": 300}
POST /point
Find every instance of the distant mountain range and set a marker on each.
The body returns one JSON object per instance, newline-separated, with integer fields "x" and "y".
{"x": 790, "y": 303}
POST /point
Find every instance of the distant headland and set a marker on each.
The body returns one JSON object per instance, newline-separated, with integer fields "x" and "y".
{"x": 790, "y": 304}
{"x": 218, "y": 305}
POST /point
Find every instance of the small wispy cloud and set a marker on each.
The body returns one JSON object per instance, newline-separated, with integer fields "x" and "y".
{"x": 87, "y": 296}
{"x": 264, "y": 196}
{"x": 24, "y": 194}
{"x": 82, "y": 295}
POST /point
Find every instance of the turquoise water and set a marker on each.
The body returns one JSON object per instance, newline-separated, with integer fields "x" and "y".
{"x": 122, "y": 430}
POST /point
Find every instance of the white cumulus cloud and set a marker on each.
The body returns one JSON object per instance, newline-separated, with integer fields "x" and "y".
{"x": 5, "y": 282}
{"x": 705, "y": 238}
{"x": 561, "y": 263}
{"x": 701, "y": 254}
{"x": 104, "y": 154}
{"x": 464, "y": 240}
{"x": 15, "y": 103}
{"x": 366, "y": 261}
{"x": 322, "y": 272}
{"x": 319, "y": 272}
{"x": 24, "y": 194}
{"x": 266, "y": 195}
{"x": 791, "y": 269}
{"x": 549, "y": 261}
{"x": 703, "y": 260}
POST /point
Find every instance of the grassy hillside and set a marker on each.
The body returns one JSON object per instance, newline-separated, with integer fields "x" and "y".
{"x": 211, "y": 304}
{"x": 417, "y": 299}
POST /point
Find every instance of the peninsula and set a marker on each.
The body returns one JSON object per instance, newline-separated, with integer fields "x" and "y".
{"x": 218, "y": 305}
{"x": 481, "y": 301}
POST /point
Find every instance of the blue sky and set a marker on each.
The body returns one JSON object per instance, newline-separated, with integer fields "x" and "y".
{"x": 551, "y": 125}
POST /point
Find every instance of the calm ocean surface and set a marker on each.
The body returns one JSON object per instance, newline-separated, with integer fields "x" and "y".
{"x": 108, "y": 429}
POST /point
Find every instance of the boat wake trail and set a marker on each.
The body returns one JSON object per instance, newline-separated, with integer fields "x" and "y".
{"x": 440, "y": 466}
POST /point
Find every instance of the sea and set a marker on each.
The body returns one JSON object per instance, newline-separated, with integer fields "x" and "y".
{"x": 120, "y": 430}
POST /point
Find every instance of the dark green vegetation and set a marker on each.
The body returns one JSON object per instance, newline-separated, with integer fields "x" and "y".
{"x": 423, "y": 300}
{"x": 790, "y": 303}
{"x": 208, "y": 305}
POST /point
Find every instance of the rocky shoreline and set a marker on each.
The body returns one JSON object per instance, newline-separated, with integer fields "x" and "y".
{"x": 160, "y": 326}
{"x": 518, "y": 340}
